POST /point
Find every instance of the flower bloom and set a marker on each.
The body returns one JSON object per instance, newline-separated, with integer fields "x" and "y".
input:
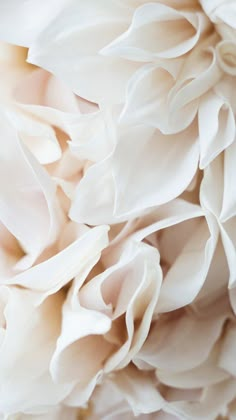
{"x": 117, "y": 209}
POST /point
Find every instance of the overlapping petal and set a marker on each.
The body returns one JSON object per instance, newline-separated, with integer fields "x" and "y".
{"x": 24, "y": 370}
{"x": 117, "y": 209}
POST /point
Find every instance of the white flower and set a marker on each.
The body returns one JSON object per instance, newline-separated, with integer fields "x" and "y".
{"x": 117, "y": 209}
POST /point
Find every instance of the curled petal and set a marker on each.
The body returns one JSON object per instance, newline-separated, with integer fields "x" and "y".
{"x": 87, "y": 34}
{"x": 216, "y": 127}
{"x": 52, "y": 274}
{"x": 147, "y": 95}
{"x": 198, "y": 75}
{"x": 129, "y": 288}
{"x": 80, "y": 337}
{"x": 226, "y": 54}
{"x": 177, "y": 211}
{"x": 158, "y": 31}
{"x": 29, "y": 208}
{"x": 196, "y": 257}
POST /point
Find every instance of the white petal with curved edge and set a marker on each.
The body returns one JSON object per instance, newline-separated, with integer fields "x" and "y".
{"x": 212, "y": 404}
{"x": 25, "y": 381}
{"x": 204, "y": 375}
{"x": 216, "y": 127}
{"x": 174, "y": 212}
{"x": 87, "y": 32}
{"x": 147, "y": 95}
{"x": 139, "y": 390}
{"x": 51, "y": 275}
{"x": 154, "y": 22}
{"x": 20, "y": 24}
{"x": 138, "y": 304}
{"x": 94, "y": 197}
{"x": 40, "y": 138}
{"x": 181, "y": 344}
{"x": 128, "y": 289}
{"x": 145, "y": 157}
{"x": 29, "y": 208}
{"x": 80, "y": 338}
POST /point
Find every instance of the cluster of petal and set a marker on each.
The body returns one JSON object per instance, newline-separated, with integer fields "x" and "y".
{"x": 117, "y": 209}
